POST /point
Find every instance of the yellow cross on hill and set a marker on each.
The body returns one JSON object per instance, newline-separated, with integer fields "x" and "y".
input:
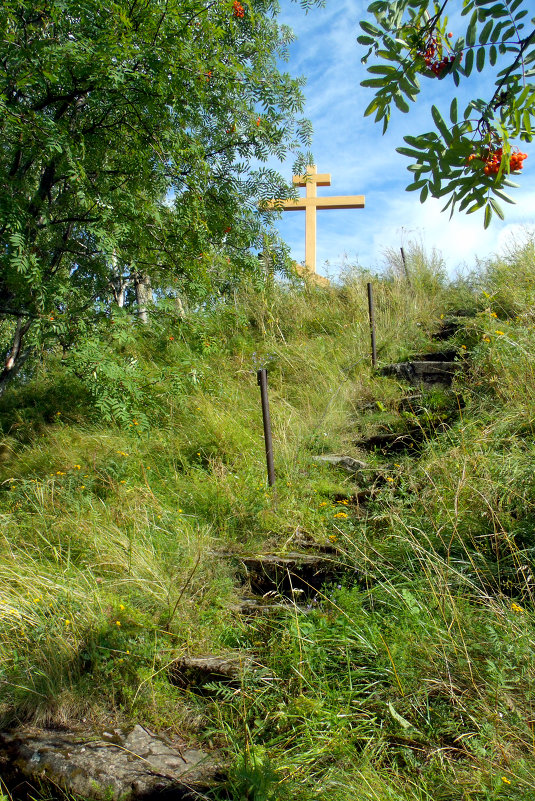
{"x": 311, "y": 180}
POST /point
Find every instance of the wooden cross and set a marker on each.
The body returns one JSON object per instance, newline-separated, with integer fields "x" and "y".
{"x": 310, "y": 203}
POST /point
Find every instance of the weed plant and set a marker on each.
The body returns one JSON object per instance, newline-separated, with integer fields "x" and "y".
{"x": 124, "y": 498}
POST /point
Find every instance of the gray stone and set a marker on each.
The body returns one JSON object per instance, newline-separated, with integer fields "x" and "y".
{"x": 422, "y": 372}
{"x": 293, "y": 575}
{"x": 108, "y": 766}
{"x": 199, "y": 670}
{"x": 345, "y": 462}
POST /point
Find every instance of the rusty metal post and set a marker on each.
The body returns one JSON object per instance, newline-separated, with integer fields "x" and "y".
{"x": 407, "y": 276}
{"x": 262, "y": 383}
{"x": 372, "y": 323}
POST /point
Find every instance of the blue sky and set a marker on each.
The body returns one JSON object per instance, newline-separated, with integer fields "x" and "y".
{"x": 362, "y": 161}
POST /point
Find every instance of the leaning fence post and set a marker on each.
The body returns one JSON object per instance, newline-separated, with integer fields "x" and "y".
{"x": 262, "y": 383}
{"x": 372, "y": 324}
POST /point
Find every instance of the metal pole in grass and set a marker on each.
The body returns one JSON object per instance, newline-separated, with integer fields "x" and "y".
{"x": 371, "y": 313}
{"x": 262, "y": 383}
{"x": 407, "y": 276}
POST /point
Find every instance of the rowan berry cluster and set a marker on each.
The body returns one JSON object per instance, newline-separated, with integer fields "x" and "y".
{"x": 430, "y": 54}
{"x": 492, "y": 159}
{"x": 237, "y": 9}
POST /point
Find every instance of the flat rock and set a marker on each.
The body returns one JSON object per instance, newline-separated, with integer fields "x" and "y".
{"x": 392, "y": 442}
{"x": 436, "y": 356}
{"x": 200, "y": 670}
{"x": 290, "y": 575}
{"x": 111, "y": 765}
{"x": 253, "y": 605}
{"x": 305, "y": 541}
{"x": 422, "y": 372}
{"x": 346, "y": 463}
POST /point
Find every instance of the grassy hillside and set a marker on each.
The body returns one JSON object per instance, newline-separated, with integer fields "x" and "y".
{"x": 409, "y": 676}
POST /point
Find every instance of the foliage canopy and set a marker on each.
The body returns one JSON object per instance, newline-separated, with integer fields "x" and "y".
{"x": 128, "y": 130}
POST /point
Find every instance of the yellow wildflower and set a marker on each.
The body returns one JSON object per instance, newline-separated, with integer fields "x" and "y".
{"x": 341, "y": 514}
{"x": 500, "y": 333}
{"x": 118, "y": 623}
{"x": 389, "y": 478}
{"x": 493, "y": 314}
{"x": 121, "y": 607}
{"x": 506, "y": 780}
{"x": 516, "y": 607}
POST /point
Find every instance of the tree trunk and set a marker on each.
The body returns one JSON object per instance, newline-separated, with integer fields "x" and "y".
{"x": 143, "y": 295}
{"x": 15, "y": 358}
{"x": 118, "y": 283}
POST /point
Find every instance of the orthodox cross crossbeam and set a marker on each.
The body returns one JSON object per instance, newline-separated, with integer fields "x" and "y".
{"x": 310, "y": 203}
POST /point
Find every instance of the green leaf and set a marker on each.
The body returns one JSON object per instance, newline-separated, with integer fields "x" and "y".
{"x": 497, "y": 208}
{"x": 406, "y": 151}
{"x": 383, "y": 69}
{"x": 416, "y": 141}
{"x": 453, "y": 110}
{"x": 486, "y": 31}
{"x": 401, "y": 103}
{"x": 367, "y": 27}
{"x": 371, "y": 107}
{"x": 469, "y": 62}
{"x": 374, "y": 83}
{"x": 415, "y": 185}
{"x": 493, "y": 55}
{"x": 480, "y": 59}
{"x": 472, "y": 30}
{"x": 503, "y": 196}
{"x": 488, "y": 216}
{"x": 441, "y": 125}
{"x": 405, "y": 724}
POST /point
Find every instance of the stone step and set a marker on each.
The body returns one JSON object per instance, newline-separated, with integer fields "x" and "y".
{"x": 293, "y": 575}
{"x": 106, "y": 766}
{"x": 407, "y": 401}
{"x": 269, "y": 605}
{"x": 449, "y": 326}
{"x": 436, "y": 356}
{"x": 422, "y": 372}
{"x": 196, "y": 672}
{"x": 397, "y": 442}
{"x": 347, "y": 463}
{"x": 304, "y": 541}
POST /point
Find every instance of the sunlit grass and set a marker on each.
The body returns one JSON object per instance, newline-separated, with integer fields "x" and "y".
{"x": 412, "y": 676}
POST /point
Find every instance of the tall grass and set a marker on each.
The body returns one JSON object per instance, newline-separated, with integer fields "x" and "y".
{"x": 411, "y": 677}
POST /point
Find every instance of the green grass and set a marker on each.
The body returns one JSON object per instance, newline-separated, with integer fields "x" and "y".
{"x": 411, "y": 677}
